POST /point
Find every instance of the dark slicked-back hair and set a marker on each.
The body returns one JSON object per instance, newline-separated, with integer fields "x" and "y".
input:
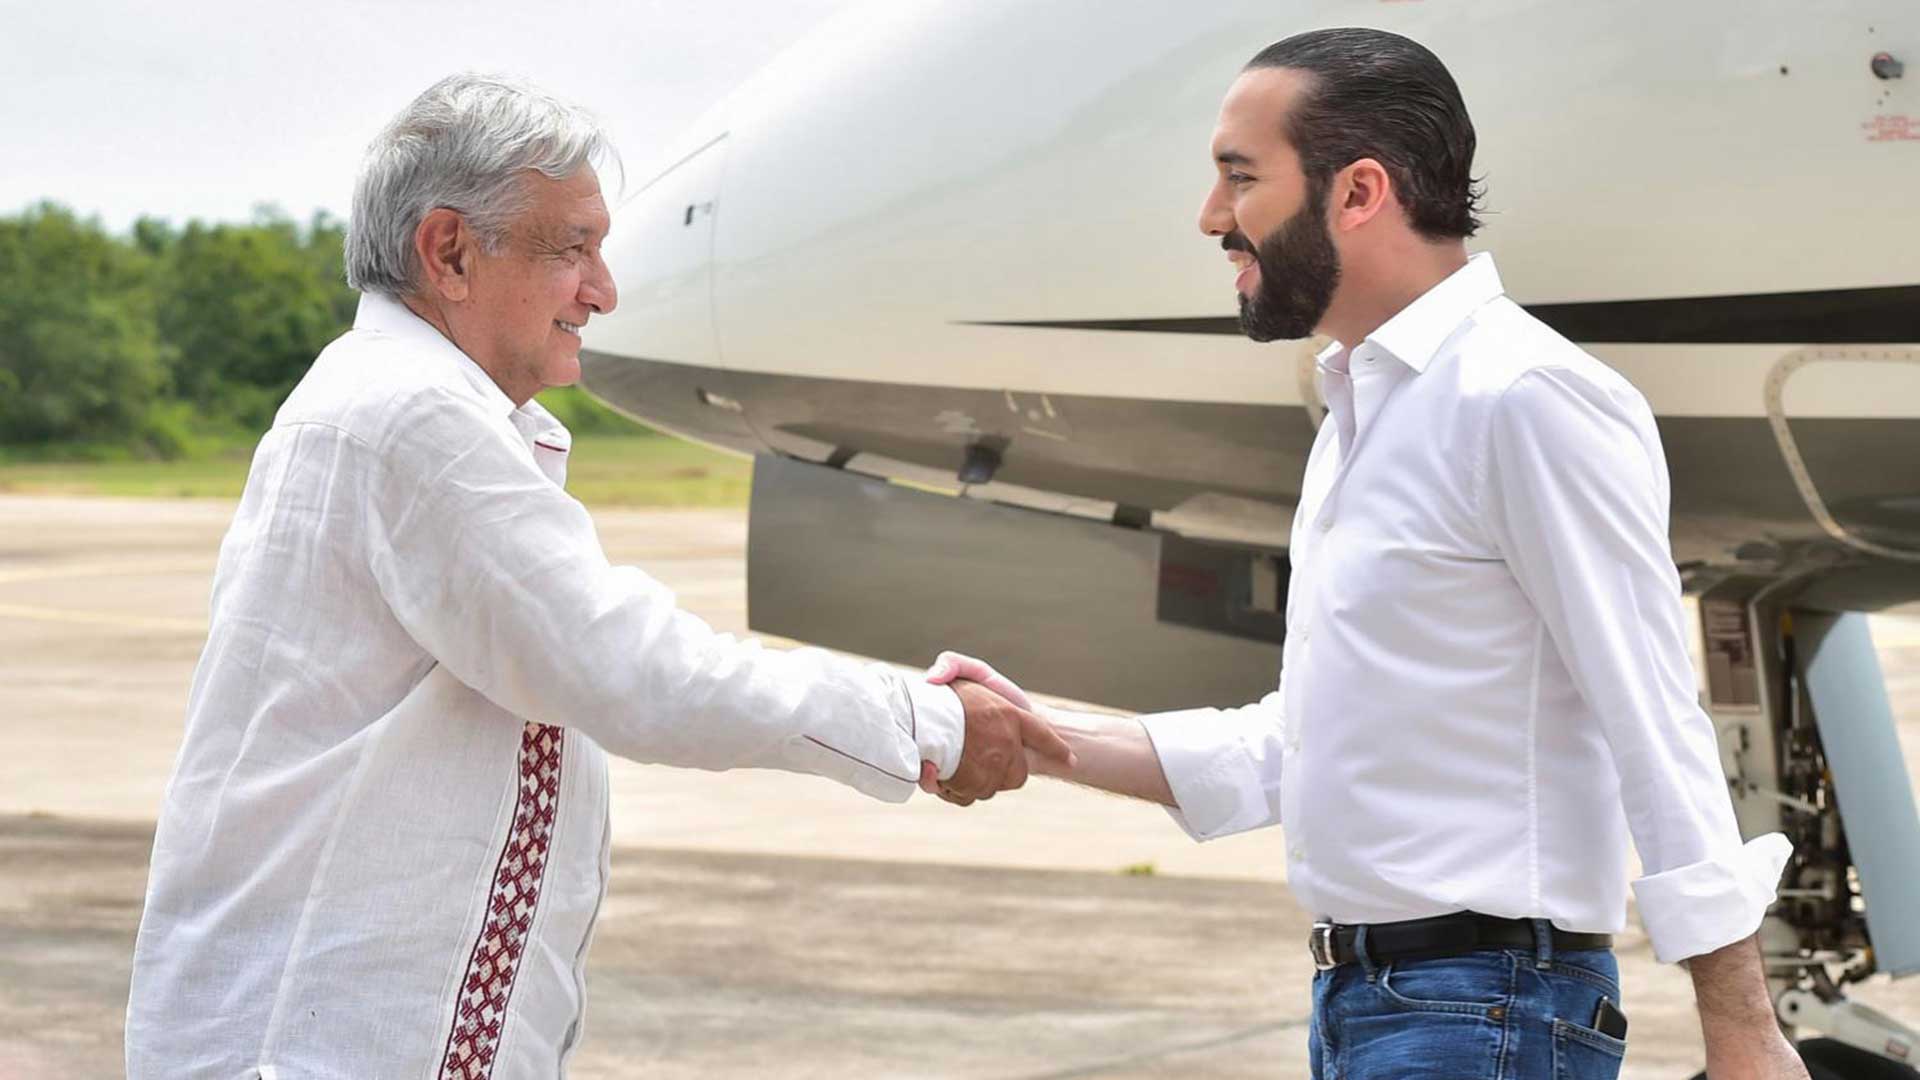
{"x": 1379, "y": 95}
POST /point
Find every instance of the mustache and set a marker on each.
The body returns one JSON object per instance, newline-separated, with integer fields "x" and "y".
{"x": 1237, "y": 241}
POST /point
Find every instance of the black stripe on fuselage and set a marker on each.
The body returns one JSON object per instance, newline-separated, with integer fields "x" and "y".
{"x": 1878, "y": 316}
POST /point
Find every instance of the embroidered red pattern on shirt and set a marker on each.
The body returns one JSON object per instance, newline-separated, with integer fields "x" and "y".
{"x": 482, "y": 1009}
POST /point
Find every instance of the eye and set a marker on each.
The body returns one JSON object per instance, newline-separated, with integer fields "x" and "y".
{"x": 1238, "y": 178}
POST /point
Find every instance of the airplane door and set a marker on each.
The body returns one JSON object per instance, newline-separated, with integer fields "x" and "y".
{"x": 663, "y": 239}
{"x": 1848, "y": 424}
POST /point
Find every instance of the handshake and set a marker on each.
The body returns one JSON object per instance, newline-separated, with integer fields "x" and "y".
{"x": 1006, "y": 738}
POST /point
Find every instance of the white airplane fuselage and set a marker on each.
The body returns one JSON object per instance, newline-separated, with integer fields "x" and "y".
{"x": 935, "y": 225}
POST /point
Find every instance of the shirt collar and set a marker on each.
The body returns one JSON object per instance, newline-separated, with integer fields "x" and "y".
{"x": 1415, "y": 335}
{"x": 386, "y": 315}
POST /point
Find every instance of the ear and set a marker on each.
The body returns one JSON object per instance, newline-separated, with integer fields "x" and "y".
{"x": 444, "y": 246}
{"x": 1360, "y": 192}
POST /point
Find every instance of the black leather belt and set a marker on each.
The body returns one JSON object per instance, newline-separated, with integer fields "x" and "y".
{"x": 1443, "y": 935}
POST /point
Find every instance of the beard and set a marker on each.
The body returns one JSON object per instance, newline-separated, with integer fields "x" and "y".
{"x": 1299, "y": 270}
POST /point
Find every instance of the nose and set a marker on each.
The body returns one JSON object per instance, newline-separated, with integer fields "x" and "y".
{"x": 1216, "y": 214}
{"x": 597, "y": 289}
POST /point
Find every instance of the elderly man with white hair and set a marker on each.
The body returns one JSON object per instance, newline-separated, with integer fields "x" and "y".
{"x": 385, "y": 841}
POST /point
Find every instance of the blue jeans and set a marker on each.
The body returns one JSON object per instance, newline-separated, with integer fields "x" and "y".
{"x": 1498, "y": 1014}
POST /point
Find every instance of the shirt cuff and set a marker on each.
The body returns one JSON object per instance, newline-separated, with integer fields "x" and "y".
{"x": 939, "y": 724}
{"x": 1215, "y": 783}
{"x": 1693, "y": 910}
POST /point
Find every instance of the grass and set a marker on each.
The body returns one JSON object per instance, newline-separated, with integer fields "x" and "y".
{"x": 219, "y": 476}
{"x": 627, "y": 470}
{"x": 655, "y": 470}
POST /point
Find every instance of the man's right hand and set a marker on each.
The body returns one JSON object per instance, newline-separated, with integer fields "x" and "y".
{"x": 994, "y": 757}
{"x": 1110, "y": 753}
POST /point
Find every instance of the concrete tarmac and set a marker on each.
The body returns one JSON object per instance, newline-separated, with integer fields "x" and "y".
{"x": 759, "y": 924}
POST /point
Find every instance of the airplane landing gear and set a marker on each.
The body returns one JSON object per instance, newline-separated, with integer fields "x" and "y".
{"x": 1807, "y": 737}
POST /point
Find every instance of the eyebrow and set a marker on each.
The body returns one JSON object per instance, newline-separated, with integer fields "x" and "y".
{"x": 573, "y": 234}
{"x": 1232, "y": 157}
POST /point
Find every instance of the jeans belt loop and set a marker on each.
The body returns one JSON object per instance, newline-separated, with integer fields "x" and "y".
{"x": 1542, "y": 944}
{"x": 1360, "y": 951}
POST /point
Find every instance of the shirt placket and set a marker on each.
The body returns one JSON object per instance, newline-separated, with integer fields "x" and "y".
{"x": 1355, "y": 399}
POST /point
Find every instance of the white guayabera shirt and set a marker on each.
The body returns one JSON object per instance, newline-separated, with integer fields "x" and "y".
{"x": 385, "y": 841}
{"x": 1486, "y": 659}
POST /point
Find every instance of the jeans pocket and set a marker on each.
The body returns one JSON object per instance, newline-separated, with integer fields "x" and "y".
{"x": 1581, "y": 1053}
{"x": 1478, "y": 984}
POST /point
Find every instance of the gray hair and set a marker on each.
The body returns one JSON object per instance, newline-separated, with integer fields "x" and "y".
{"x": 465, "y": 144}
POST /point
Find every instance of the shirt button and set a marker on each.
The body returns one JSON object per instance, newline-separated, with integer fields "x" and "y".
{"x": 1297, "y": 852}
{"x": 1326, "y": 524}
{"x": 1293, "y": 743}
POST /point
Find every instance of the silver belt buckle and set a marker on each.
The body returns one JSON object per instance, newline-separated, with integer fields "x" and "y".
{"x": 1320, "y": 944}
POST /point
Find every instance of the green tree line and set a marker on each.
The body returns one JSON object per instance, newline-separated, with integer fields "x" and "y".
{"x": 170, "y": 341}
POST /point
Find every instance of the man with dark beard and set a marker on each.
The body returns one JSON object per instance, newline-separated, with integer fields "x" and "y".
{"x": 1485, "y": 659}
{"x": 1297, "y": 269}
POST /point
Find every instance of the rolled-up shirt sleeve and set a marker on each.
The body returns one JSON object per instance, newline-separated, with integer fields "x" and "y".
{"x": 1574, "y": 493}
{"x": 500, "y": 576}
{"x": 1222, "y": 765}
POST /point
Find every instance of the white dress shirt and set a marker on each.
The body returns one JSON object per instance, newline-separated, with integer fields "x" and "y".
{"x": 385, "y": 840}
{"x": 1486, "y": 685}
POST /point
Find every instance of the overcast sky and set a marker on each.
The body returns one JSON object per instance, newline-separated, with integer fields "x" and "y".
{"x": 205, "y": 109}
